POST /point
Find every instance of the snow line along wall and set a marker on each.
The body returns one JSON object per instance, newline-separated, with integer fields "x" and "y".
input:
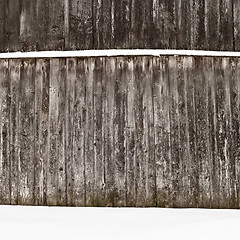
{"x": 120, "y": 131}
{"x": 27, "y": 25}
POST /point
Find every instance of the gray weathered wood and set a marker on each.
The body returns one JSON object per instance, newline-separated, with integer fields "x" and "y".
{"x": 29, "y": 25}
{"x": 120, "y": 131}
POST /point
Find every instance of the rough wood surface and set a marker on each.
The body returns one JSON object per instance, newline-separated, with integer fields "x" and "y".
{"x": 120, "y": 131}
{"x": 29, "y": 25}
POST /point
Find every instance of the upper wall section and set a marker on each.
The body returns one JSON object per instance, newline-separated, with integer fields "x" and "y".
{"x": 30, "y": 25}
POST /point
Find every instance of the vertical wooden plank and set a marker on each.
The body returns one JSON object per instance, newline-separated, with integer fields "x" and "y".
{"x": 44, "y": 146}
{"x": 109, "y": 71}
{"x": 26, "y": 132}
{"x": 56, "y": 40}
{"x": 148, "y": 132}
{"x": 161, "y": 102}
{"x": 39, "y": 133}
{"x": 237, "y": 159}
{"x": 202, "y": 129}
{"x": 89, "y": 129}
{"x": 131, "y": 130}
{"x": 98, "y": 133}
{"x": 234, "y": 148}
{"x": 61, "y": 137}
{"x": 42, "y": 26}
{"x": 197, "y": 23}
{"x": 137, "y": 23}
{"x": 236, "y": 25}
{"x": 175, "y": 133}
{"x": 212, "y": 121}
{"x": 28, "y": 23}
{"x": 221, "y": 133}
{"x": 183, "y": 20}
{"x": 5, "y": 129}
{"x": 2, "y": 25}
{"x": 12, "y": 25}
{"x": 163, "y": 32}
{"x": 14, "y": 79}
{"x": 226, "y": 25}
{"x": 212, "y": 22}
{"x": 71, "y": 78}
{"x": 184, "y": 146}
{"x": 76, "y": 120}
{"x": 191, "y": 112}
{"x": 140, "y": 171}
{"x": 122, "y": 23}
{"x": 79, "y": 134}
{"x": 52, "y": 165}
{"x": 119, "y": 132}
{"x": 229, "y": 71}
{"x": 81, "y": 24}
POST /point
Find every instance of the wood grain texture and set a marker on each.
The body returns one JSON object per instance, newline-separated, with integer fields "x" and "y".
{"x": 102, "y": 24}
{"x": 134, "y": 131}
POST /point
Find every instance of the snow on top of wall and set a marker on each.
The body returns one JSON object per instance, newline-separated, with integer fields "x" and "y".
{"x": 116, "y": 52}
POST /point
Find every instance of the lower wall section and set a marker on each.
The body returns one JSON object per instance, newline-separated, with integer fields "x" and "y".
{"x": 120, "y": 131}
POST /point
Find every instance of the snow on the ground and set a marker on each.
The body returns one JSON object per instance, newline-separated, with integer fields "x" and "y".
{"x": 117, "y": 52}
{"x": 18, "y": 222}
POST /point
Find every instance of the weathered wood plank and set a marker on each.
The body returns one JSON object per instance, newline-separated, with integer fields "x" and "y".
{"x": 121, "y": 23}
{"x": 202, "y": 129}
{"x": 80, "y": 24}
{"x": 130, "y": 137}
{"x": 161, "y": 102}
{"x": 28, "y": 34}
{"x": 27, "y": 132}
{"x": 237, "y": 129}
{"x": 148, "y": 132}
{"x": 99, "y": 183}
{"x": 183, "y": 23}
{"x": 212, "y": 22}
{"x": 184, "y": 147}
{"x": 61, "y": 137}
{"x": 56, "y": 36}
{"x": 140, "y": 170}
{"x": 2, "y": 26}
{"x": 52, "y": 165}
{"x": 120, "y": 131}
{"x": 198, "y": 18}
{"x": 226, "y": 41}
{"x": 234, "y": 147}
{"x": 79, "y": 123}
{"x": 89, "y": 133}
{"x": 12, "y": 25}
{"x": 5, "y": 166}
{"x": 236, "y": 25}
{"x": 191, "y": 112}
{"x": 42, "y": 25}
{"x": 109, "y": 66}
{"x": 14, "y": 80}
{"x": 39, "y": 135}
{"x": 103, "y": 24}
{"x": 69, "y": 114}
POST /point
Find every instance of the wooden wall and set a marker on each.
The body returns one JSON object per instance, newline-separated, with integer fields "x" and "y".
{"x": 120, "y": 131}
{"x": 29, "y": 25}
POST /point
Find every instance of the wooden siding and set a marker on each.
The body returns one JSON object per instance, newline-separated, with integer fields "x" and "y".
{"x": 120, "y": 131}
{"x": 30, "y": 25}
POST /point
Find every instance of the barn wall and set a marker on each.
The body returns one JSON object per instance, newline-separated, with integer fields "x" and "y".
{"x": 120, "y": 131}
{"x": 29, "y": 25}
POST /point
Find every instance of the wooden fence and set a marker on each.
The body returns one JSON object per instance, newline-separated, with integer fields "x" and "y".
{"x": 120, "y": 131}
{"x": 27, "y": 25}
